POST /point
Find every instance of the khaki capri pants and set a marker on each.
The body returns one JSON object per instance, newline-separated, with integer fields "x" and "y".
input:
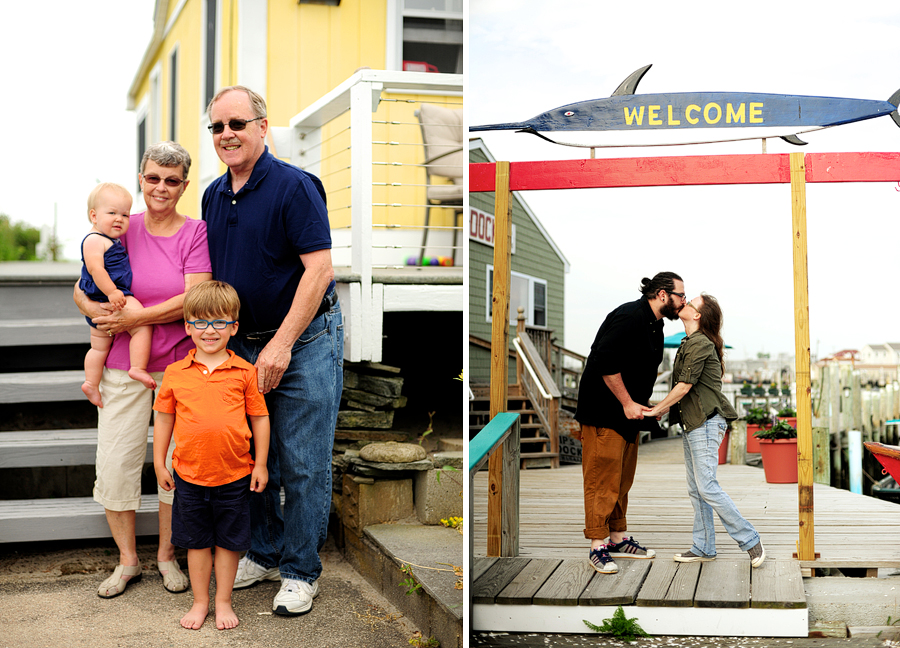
{"x": 122, "y": 426}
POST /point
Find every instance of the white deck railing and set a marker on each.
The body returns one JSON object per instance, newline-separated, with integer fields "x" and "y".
{"x": 334, "y": 139}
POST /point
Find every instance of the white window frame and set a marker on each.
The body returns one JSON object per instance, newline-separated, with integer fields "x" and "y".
{"x": 396, "y": 12}
{"x": 513, "y": 312}
{"x": 154, "y": 120}
{"x": 174, "y": 94}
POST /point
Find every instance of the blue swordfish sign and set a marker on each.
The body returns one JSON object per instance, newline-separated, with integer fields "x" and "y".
{"x": 769, "y": 115}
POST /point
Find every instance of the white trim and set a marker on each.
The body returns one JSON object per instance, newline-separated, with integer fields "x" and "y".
{"x": 529, "y": 307}
{"x": 207, "y": 160}
{"x": 723, "y": 622}
{"x": 174, "y": 18}
{"x": 252, "y": 45}
{"x": 477, "y": 144}
{"x": 537, "y": 381}
{"x": 393, "y": 41}
{"x": 155, "y": 113}
{"x": 176, "y": 72}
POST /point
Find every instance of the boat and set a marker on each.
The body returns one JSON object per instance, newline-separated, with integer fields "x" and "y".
{"x": 888, "y": 456}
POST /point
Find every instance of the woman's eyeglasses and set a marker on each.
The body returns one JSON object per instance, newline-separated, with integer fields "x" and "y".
{"x": 219, "y": 325}
{"x": 171, "y": 181}
{"x": 234, "y": 124}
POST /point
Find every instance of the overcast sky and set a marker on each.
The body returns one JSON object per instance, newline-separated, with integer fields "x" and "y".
{"x": 734, "y": 242}
{"x": 67, "y": 68}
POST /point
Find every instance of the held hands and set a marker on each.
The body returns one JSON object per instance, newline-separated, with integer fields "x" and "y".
{"x": 634, "y": 411}
{"x": 259, "y": 478}
{"x": 655, "y": 412}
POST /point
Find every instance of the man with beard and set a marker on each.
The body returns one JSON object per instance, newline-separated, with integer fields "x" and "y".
{"x": 616, "y": 385}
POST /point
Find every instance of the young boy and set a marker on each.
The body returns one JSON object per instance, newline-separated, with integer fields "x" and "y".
{"x": 206, "y": 400}
{"x": 106, "y": 277}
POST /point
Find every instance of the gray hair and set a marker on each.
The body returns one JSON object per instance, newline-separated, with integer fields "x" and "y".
{"x": 257, "y": 103}
{"x": 167, "y": 154}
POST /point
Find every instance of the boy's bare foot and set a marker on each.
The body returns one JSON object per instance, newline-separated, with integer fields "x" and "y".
{"x": 226, "y": 619}
{"x": 92, "y": 393}
{"x": 195, "y": 616}
{"x": 142, "y": 376}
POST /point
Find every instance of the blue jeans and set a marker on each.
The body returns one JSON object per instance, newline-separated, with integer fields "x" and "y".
{"x": 701, "y": 458}
{"x": 303, "y": 413}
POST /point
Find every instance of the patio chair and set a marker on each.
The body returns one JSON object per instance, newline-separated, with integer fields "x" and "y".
{"x": 442, "y": 135}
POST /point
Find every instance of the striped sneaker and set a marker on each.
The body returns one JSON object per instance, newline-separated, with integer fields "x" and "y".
{"x": 601, "y": 562}
{"x": 757, "y": 555}
{"x": 628, "y": 548}
{"x": 690, "y": 556}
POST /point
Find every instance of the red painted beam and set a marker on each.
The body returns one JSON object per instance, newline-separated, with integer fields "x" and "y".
{"x": 688, "y": 170}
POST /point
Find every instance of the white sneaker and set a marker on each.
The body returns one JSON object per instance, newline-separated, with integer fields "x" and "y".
{"x": 249, "y": 573}
{"x": 295, "y": 598}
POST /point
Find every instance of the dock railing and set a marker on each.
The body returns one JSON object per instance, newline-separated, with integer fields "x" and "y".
{"x": 501, "y": 432}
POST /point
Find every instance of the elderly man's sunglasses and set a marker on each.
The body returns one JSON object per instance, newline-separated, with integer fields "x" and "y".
{"x": 234, "y": 124}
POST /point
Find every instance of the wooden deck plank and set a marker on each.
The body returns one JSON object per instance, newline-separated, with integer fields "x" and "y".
{"x": 496, "y": 578}
{"x": 525, "y": 585}
{"x": 669, "y": 584}
{"x": 778, "y": 584}
{"x": 54, "y": 448}
{"x": 567, "y": 583}
{"x": 481, "y": 565}
{"x": 723, "y": 584}
{"x": 620, "y": 588}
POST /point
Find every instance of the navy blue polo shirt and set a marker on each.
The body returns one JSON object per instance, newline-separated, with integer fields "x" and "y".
{"x": 256, "y": 236}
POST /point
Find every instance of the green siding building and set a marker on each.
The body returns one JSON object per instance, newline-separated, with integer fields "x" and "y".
{"x": 538, "y": 270}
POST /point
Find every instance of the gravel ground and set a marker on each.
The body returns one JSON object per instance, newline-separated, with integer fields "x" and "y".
{"x": 48, "y": 598}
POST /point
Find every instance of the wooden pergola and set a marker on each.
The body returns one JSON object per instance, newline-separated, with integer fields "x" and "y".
{"x": 798, "y": 169}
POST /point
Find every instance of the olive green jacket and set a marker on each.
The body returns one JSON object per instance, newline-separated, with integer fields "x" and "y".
{"x": 697, "y": 364}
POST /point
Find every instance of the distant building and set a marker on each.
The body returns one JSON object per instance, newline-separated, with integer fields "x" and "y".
{"x": 538, "y": 269}
{"x": 878, "y": 363}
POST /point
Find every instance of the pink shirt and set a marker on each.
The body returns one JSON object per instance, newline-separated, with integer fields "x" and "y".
{"x": 159, "y": 264}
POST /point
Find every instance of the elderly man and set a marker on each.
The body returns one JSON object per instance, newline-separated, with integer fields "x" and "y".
{"x": 269, "y": 237}
{"x": 615, "y": 387}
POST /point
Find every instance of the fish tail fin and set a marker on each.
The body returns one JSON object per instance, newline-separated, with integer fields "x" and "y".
{"x": 895, "y": 99}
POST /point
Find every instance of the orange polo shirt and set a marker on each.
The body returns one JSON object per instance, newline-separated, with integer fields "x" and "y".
{"x": 212, "y": 437}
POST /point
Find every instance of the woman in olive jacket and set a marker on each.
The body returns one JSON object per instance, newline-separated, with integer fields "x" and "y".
{"x": 697, "y": 402}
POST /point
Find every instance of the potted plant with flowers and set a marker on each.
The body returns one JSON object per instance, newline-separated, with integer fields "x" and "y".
{"x": 788, "y": 414}
{"x": 779, "y": 452}
{"x": 757, "y": 418}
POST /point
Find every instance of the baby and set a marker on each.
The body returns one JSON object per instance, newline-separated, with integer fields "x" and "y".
{"x": 106, "y": 277}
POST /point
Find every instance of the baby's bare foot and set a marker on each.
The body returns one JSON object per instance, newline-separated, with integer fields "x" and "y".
{"x": 195, "y": 616}
{"x": 226, "y": 619}
{"x": 143, "y": 377}
{"x": 92, "y": 393}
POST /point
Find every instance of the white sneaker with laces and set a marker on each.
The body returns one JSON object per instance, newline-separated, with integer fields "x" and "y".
{"x": 295, "y": 598}
{"x": 250, "y": 573}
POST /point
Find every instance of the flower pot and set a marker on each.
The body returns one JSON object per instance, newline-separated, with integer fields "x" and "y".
{"x": 723, "y": 448}
{"x": 752, "y": 441}
{"x": 779, "y": 457}
{"x": 790, "y": 419}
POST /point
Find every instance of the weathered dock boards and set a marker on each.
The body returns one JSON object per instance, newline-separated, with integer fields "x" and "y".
{"x": 720, "y": 598}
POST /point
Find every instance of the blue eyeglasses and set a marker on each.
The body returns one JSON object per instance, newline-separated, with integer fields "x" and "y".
{"x": 201, "y": 325}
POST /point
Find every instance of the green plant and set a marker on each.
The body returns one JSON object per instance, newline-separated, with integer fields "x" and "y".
{"x": 411, "y": 584}
{"x": 787, "y": 411}
{"x": 619, "y": 626}
{"x": 757, "y": 416}
{"x": 779, "y": 430}
{"x": 418, "y": 640}
{"x": 890, "y": 624}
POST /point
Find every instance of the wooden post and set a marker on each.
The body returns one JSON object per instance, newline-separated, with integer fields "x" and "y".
{"x": 499, "y": 351}
{"x": 806, "y": 547}
{"x": 821, "y": 456}
{"x": 739, "y": 443}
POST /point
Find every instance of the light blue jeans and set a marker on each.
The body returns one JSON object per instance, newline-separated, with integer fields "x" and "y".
{"x": 701, "y": 458}
{"x": 303, "y": 414}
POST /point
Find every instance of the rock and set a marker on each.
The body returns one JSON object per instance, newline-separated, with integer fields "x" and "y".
{"x": 392, "y": 452}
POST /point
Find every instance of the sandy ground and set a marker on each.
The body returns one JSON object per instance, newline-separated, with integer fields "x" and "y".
{"x": 48, "y": 597}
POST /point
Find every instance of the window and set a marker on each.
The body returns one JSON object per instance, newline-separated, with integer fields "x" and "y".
{"x": 430, "y": 37}
{"x": 141, "y": 142}
{"x": 528, "y": 292}
{"x": 173, "y": 95}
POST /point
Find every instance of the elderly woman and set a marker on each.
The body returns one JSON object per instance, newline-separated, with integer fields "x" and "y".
{"x": 169, "y": 254}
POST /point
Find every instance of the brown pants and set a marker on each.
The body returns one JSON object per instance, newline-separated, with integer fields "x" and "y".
{"x": 608, "y": 463}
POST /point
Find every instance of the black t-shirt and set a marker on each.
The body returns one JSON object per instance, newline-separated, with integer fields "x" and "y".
{"x": 629, "y": 342}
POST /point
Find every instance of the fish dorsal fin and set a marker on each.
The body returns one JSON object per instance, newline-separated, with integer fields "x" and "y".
{"x": 629, "y": 85}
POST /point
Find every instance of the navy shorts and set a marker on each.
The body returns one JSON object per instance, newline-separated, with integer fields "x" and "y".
{"x": 211, "y": 516}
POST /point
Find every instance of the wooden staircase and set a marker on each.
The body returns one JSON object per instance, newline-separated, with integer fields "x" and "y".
{"x": 535, "y": 439}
